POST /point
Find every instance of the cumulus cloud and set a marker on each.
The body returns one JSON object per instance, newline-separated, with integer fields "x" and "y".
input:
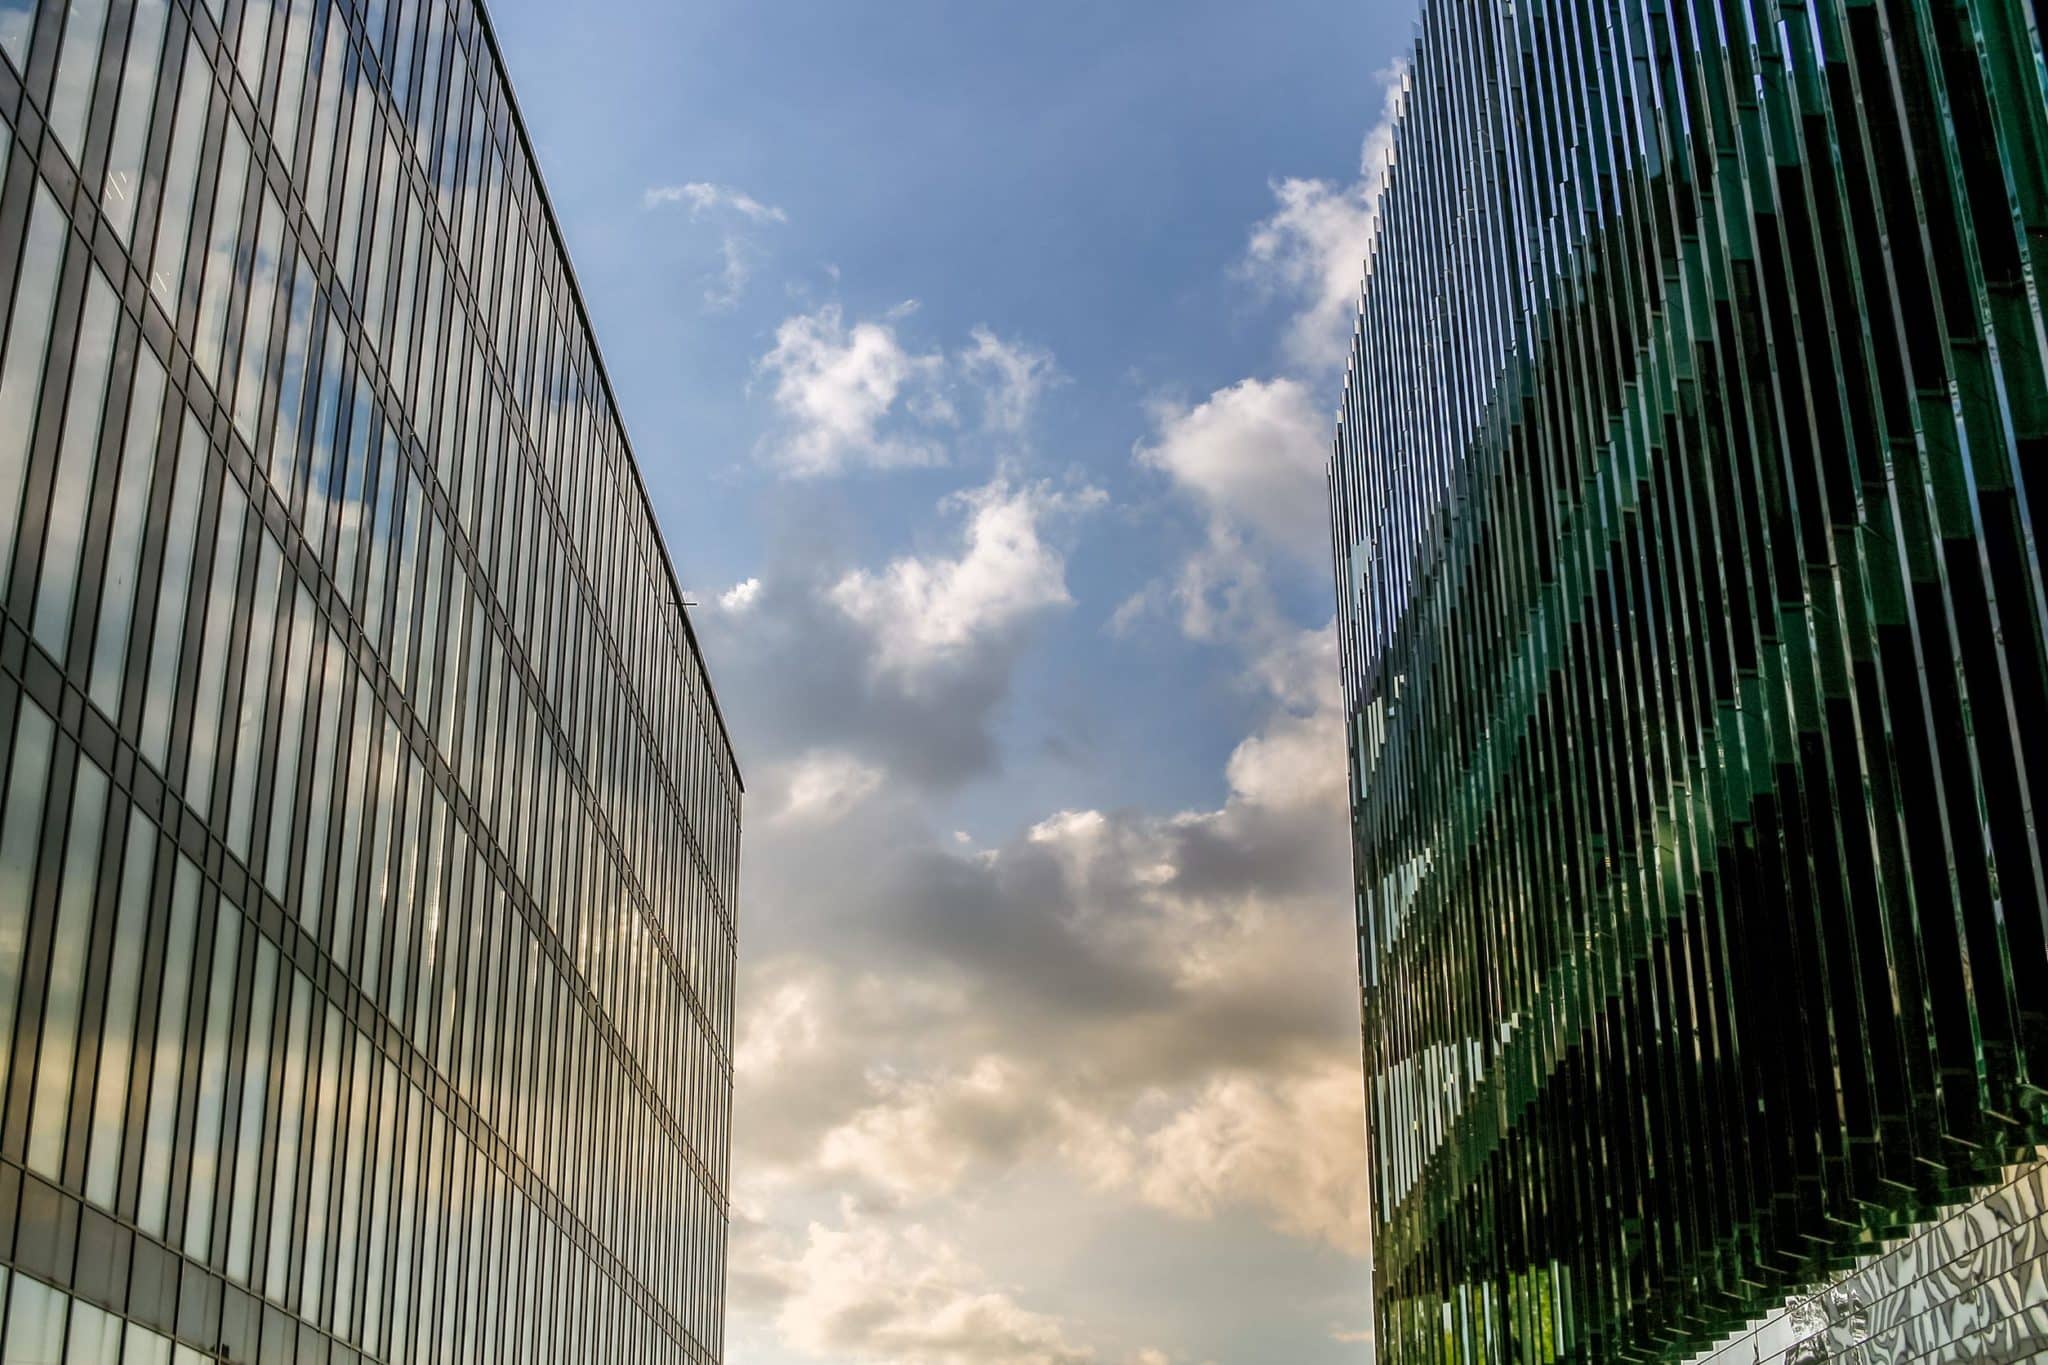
{"x": 905, "y": 663}
{"x": 927, "y": 612}
{"x": 740, "y": 596}
{"x": 1288, "y": 1146}
{"x": 921, "y": 1134}
{"x": 858, "y": 1289}
{"x": 1155, "y": 1003}
{"x": 858, "y": 395}
{"x": 835, "y": 384}
{"x": 823, "y": 786}
{"x": 1252, "y": 454}
{"x": 1312, "y": 249}
{"x": 1251, "y": 457}
{"x": 1149, "y": 1012}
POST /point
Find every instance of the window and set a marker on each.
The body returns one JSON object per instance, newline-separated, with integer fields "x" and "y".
{"x": 125, "y": 532}
{"x": 174, "y": 580}
{"x": 216, "y": 643}
{"x": 78, "y": 61}
{"x": 77, "y": 450}
{"x": 21, "y": 367}
{"x": 213, "y": 1081}
{"x": 167, "y": 1059}
{"x": 64, "y": 989}
{"x": 123, "y": 184}
{"x": 250, "y": 1189}
{"x": 20, "y": 837}
{"x": 181, "y": 179}
{"x": 117, "y": 1030}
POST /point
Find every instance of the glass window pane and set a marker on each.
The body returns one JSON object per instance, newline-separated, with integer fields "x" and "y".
{"x": 76, "y": 893}
{"x": 181, "y": 178}
{"x": 298, "y": 669}
{"x": 95, "y": 1336}
{"x": 131, "y": 122}
{"x": 21, "y": 368}
{"x": 249, "y": 1132}
{"x": 64, "y": 531}
{"x": 117, "y": 1030}
{"x": 249, "y": 49}
{"x": 216, "y": 639}
{"x": 167, "y": 1059}
{"x": 20, "y": 836}
{"x": 35, "y": 1324}
{"x": 291, "y": 1119}
{"x": 174, "y": 583}
{"x": 17, "y": 26}
{"x": 223, "y": 261}
{"x": 292, "y": 384}
{"x": 78, "y": 63}
{"x": 326, "y": 116}
{"x": 255, "y": 368}
{"x": 144, "y": 1347}
{"x": 213, "y": 1080}
{"x": 292, "y": 80}
{"x": 248, "y": 736}
{"x": 124, "y": 536}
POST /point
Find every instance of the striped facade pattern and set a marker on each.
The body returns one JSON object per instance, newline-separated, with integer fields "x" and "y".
{"x": 368, "y": 831}
{"x": 1696, "y": 652}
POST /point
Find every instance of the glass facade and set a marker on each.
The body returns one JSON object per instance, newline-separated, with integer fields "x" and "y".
{"x": 368, "y": 830}
{"x": 1696, "y": 655}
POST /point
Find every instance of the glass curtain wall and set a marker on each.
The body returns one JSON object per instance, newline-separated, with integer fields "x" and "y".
{"x": 368, "y": 830}
{"x": 1696, "y": 654}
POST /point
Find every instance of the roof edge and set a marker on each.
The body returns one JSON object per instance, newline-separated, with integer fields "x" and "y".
{"x": 547, "y": 207}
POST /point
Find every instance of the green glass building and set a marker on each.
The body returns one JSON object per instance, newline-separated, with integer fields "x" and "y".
{"x": 1696, "y": 651}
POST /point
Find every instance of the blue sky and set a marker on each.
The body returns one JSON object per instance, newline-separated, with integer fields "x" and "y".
{"x": 979, "y": 357}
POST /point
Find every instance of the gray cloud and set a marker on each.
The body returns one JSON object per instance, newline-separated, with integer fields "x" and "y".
{"x": 903, "y": 665}
{"x": 1157, "y": 1003}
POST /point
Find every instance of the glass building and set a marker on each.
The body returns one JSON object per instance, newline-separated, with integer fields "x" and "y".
{"x": 368, "y": 830}
{"x": 1696, "y": 653}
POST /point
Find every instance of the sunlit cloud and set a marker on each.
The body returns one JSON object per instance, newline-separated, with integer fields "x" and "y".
{"x": 860, "y": 395}
{"x": 1312, "y": 248}
{"x": 926, "y": 611}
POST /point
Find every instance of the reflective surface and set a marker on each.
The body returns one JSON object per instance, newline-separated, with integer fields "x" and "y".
{"x": 1695, "y": 643}
{"x": 368, "y": 832}
{"x": 1971, "y": 1285}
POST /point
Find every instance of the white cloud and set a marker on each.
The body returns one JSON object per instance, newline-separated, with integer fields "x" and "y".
{"x": 1225, "y": 593}
{"x": 1292, "y": 1146}
{"x": 731, "y": 281}
{"x": 924, "y": 612}
{"x": 1156, "y": 1003}
{"x": 862, "y": 1290}
{"x": 704, "y": 197}
{"x": 1313, "y": 246}
{"x": 836, "y": 384}
{"x": 1253, "y": 454}
{"x": 820, "y": 787}
{"x": 740, "y": 596}
{"x": 859, "y": 395}
{"x": 737, "y": 252}
{"x": 921, "y": 1134}
{"x": 1013, "y": 377}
